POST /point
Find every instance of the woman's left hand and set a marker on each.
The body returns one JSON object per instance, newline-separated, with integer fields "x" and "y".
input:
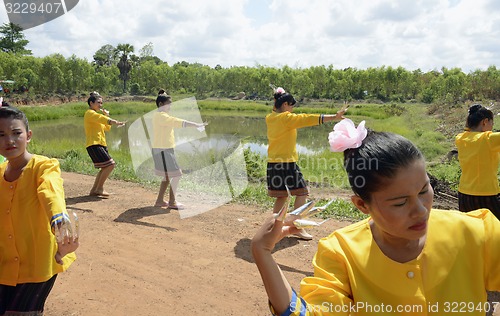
{"x": 68, "y": 244}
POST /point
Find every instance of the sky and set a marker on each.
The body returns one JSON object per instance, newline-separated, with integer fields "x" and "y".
{"x": 414, "y": 34}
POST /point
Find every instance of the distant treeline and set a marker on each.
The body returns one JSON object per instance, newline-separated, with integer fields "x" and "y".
{"x": 56, "y": 74}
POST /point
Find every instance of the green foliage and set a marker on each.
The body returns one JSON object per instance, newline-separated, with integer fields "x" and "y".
{"x": 448, "y": 172}
{"x": 13, "y": 40}
{"x": 322, "y": 169}
{"x": 135, "y": 89}
{"x": 341, "y": 209}
{"x": 255, "y": 166}
{"x": 77, "y": 109}
{"x": 256, "y": 194}
{"x": 112, "y": 68}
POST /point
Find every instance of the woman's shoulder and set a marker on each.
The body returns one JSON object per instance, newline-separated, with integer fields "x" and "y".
{"x": 460, "y": 220}
{"x": 38, "y": 161}
{"x": 91, "y": 114}
{"x": 350, "y": 234}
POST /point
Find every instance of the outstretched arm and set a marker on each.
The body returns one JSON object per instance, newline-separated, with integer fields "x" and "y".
{"x": 115, "y": 122}
{"x": 338, "y": 116}
{"x": 193, "y": 124}
{"x": 277, "y": 287}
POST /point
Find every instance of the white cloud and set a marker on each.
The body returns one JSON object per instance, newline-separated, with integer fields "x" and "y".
{"x": 425, "y": 34}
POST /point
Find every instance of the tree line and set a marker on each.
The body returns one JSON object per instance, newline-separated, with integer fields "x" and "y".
{"x": 118, "y": 70}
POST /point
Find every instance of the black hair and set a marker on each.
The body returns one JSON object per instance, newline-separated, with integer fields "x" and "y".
{"x": 5, "y": 103}
{"x": 379, "y": 158}
{"x": 163, "y": 98}
{"x": 93, "y": 97}
{"x": 10, "y": 112}
{"x": 477, "y": 113}
{"x": 280, "y": 98}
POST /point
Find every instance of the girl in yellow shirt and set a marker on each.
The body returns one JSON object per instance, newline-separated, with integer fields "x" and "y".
{"x": 32, "y": 207}
{"x": 405, "y": 259}
{"x": 97, "y": 122}
{"x": 163, "y": 145}
{"x": 479, "y": 156}
{"x": 282, "y": 170}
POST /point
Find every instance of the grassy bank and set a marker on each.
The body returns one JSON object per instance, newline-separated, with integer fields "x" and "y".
{"x": 323, "y": 169}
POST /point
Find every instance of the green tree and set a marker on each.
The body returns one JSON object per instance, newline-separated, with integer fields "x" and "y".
{"x": 13, "y": 40}
{"x": 146, "y": 50}
{"x": 105, "y": 56}
{"x": 124, "y": 64}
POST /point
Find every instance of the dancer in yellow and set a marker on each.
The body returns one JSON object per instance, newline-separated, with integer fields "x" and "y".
{"x": 163, "y": 144}
{"x": 405, "y": 259}
{"x": 32, "y": 209}
{"x": 479, "y": 157}
{"x": 282, "y": 170}
{"x": 97, "y": 122}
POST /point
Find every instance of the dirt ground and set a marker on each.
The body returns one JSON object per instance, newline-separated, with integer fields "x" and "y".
{"x": 135, "y": 259}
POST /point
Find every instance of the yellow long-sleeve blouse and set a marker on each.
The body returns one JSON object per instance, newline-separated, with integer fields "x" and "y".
{"x": 163, "y": 129}
{"x": 29, "y": 207}
{"x": 459, "y": 262}
{"x": 479, "y": 157}
{"x": 95, "y": 124}
{"x": 282, "y": 134}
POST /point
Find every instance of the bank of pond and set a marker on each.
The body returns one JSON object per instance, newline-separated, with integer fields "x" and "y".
{"x": 233, "y": 147}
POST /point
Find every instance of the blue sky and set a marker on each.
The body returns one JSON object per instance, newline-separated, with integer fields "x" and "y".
{"x": 415, "y": 34}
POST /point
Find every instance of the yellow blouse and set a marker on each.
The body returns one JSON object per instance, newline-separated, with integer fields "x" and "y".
{"x": 96, "y": 124}
{"x": 459, "y": 262}
{"x": 163, "y": 130}
{"x": 479, "y": 156}
{"x": 282, "y": 134}
{"x": 29, "y": 206}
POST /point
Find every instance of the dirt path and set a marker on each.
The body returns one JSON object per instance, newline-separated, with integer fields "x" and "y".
{"x": 135, "y": 259}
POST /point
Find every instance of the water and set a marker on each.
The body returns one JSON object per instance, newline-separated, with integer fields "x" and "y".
{"x": 250, "y": 130}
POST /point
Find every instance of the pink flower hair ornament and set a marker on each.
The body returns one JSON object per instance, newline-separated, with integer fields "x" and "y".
{"x": 280, "y": 90}
{"x": 346, "y": 135}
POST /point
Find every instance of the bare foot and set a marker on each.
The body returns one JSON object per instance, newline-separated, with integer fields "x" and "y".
{"x": 103, "y": 194}
{"x": 161, "y": 204}
{"x": 176, "y": 206}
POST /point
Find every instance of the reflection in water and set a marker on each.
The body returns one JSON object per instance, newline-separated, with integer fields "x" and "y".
{"x": 250, "y": 130}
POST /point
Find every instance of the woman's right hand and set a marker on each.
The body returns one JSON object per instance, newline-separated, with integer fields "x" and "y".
{"x": 271, "y": 232}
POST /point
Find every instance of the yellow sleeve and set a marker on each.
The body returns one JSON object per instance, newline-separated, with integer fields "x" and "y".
{"x": 50, "y": 190}
{"x": 494, "y": 140}
{"x": 294, "y": 121}
{"x": 328, "y": 291}
{"x": 492, "y": 242}
{"x": 95, "y": 117}
{"x": 171, "y": 121}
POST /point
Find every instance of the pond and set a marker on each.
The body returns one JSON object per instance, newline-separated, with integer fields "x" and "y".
{"x": 250, "y": 130}
{"x": 212, "y": 161}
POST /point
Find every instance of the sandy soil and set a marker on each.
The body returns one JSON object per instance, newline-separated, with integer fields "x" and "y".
{"x": 135, "y": 259}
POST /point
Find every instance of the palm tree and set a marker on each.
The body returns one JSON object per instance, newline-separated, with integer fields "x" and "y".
{"x": 123, "y": 50}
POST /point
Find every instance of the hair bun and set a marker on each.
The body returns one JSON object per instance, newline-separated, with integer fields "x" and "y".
{"x": 94, "y": 94}
{"x": 162, "y": 92}
{"x": 475, "y": 108}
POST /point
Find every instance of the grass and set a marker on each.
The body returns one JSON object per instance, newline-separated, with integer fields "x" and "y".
{"x": 77, "y": 109}
{"x": 323, "y": 169}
